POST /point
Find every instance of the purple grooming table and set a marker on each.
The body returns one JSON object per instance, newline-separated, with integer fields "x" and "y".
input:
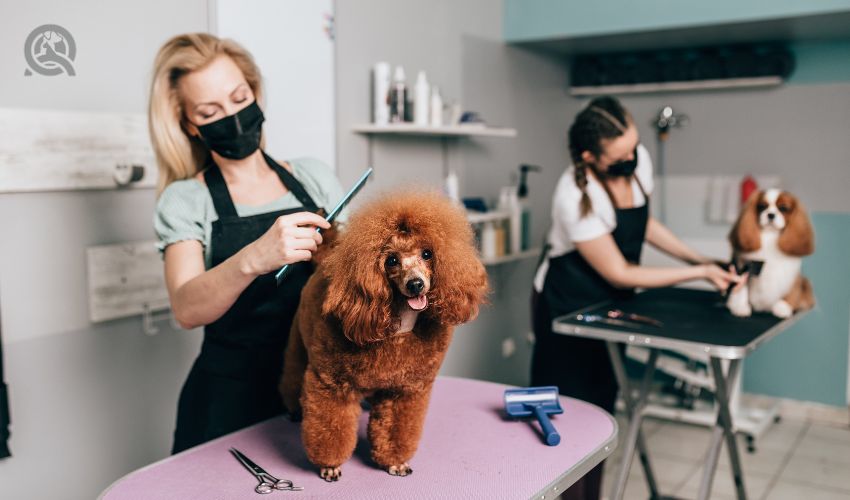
{"x": 468, "y": 450}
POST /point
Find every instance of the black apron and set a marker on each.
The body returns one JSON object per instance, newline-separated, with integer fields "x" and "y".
{"x": 581, "y": 367}
{"x": 233, "y": 382}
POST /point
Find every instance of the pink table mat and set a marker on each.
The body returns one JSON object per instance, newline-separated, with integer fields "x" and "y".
{"x": 469, "y": 449}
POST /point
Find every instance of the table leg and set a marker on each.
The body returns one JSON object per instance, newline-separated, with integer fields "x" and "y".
{"x": 724, "y": 428}
{"x": 634, "y": 414}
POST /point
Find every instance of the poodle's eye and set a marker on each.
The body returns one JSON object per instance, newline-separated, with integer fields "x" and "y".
{"x": 761, "y": 207}
{"x": 392, "y": 261}
{"x": 784, "y": 209}
{"x": 426, "y": 254}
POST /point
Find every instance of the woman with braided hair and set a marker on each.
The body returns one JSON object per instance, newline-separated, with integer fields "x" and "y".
{"x": 600, "y": 220}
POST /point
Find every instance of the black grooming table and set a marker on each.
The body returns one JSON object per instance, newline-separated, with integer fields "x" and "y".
{"x": 694, "y": 320}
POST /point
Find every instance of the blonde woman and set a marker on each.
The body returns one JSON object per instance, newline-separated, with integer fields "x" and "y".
{"x": 227, "y": 216}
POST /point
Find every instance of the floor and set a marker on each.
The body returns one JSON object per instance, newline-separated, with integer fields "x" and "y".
{"x": 794, "y": 460}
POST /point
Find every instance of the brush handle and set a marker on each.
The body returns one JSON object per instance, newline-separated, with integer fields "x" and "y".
{"x": 550, "y": 435}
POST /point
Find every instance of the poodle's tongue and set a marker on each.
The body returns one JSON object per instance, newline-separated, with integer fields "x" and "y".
{"x": 418, "y": 303}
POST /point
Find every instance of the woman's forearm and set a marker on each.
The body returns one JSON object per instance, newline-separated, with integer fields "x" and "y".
{"x": 659, "y": 236}
{"x": 206, "y": 297}
{"x": 632, "y": 276}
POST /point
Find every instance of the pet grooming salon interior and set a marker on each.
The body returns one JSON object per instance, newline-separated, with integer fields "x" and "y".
{"x": 416, "y": 249}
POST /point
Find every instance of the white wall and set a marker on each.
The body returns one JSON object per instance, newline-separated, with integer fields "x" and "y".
{"x": 89, "y": 403}
{"x": 288, "y": 39}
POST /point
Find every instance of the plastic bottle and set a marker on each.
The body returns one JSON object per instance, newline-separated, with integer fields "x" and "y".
{"x": 436, "y": 108}
{"x": 421, "y": 103}
{"x": 509, "y": 204}
{"x": 398, "y": 96}
{"x": 452, "y": 187}
{"x": 516, "y": 222}
{"x": 748, "y": 187}
{"x": 381, "y": 93}
{"x": 524, "y": 205}
{"x": 488, "y": 241}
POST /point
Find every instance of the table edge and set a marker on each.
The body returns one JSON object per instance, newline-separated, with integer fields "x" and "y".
{"x": 649, "y": 340}
{"x": 578, "y": 470}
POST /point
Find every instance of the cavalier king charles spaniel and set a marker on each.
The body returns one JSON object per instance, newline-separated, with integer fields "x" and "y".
{"x": 773, "y": 228}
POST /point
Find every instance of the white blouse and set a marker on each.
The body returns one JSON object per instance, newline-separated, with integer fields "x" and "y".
{"x": 568, "y": 226}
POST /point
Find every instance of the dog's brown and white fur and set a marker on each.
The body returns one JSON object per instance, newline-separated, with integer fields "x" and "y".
{"x": 375, "y": 322}
{"x": 774, "y": 228}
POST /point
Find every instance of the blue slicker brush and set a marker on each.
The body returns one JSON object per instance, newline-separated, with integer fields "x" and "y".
{"x": 538, "y": 401}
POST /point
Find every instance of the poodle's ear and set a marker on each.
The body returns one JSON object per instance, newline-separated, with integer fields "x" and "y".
{"x": 798, "y": 237}
{"x": 459, "y": 282}
{"x": 358, "y": 293}
{"x": 746, "y": 235}
{"x": 329, "y": 242}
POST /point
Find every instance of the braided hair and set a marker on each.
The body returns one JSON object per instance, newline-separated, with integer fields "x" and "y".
{"x": 603, "y": 118}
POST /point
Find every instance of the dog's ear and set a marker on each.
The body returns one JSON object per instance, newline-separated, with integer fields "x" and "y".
{"x": 358, "y": 293}
{"x": 459, "y": 284}
{"x": 798, "y": 237}
{"x": 329, "y": 242}
{"x": 746, "y": 235}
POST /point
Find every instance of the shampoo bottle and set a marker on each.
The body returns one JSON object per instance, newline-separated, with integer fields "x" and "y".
{"x": 421, "y": 100}
{"x": 398, "y": 96}
{"x": 436, "y": 108}
{"x": 381, "y": 93}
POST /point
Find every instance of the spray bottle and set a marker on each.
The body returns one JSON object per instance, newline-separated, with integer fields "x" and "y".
{"x": 524, "y": 205}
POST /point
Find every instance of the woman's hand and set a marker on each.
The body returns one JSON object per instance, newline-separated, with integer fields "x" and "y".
{"x": 292, "y": 238}
{"x": 721, "y": 278}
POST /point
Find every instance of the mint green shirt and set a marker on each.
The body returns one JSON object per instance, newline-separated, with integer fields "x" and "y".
{"x": 185, "y": 211}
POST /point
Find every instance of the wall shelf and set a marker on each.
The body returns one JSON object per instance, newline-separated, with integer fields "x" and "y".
{"x": 479, "y": 217}
{"x": 503, "y": 259}
{"x": 647, "y": 88}
{"x": 443, "y": 131}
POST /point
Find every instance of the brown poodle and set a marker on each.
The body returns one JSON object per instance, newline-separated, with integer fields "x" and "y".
{"x": 375, "y": 322}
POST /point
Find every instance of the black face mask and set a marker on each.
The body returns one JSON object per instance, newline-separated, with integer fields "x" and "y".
{"x": 623, "y": 168}
{"x": 235, "y": 136}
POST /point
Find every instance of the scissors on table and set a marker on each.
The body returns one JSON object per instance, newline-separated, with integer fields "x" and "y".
{"x": 637, "y": 318}
{"x": 268, "y": 483}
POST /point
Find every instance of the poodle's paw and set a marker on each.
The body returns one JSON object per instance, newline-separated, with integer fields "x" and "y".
{"x": 400, "y": 470}
{"x": 331, "y": 474}
{"x": 782, "y": 309}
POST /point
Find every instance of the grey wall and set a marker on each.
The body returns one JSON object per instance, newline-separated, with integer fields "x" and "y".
{"x": 459, "y": 45}
{"x": 89, "y": 402}
{"x": 796, "y": 131}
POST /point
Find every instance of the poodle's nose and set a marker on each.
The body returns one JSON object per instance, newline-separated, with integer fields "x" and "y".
{"x": 771, "y": 216}
{"x": 415, "y": 286}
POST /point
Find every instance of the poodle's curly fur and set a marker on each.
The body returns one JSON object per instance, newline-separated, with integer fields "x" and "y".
{"x": 346, "y": 343}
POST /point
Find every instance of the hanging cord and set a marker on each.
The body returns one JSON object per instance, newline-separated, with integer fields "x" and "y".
{"x": 5, "y": 417}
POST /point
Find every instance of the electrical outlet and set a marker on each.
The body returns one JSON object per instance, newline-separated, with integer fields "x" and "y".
{"x": 530, "y": 338}
{"x": 508, "y": 347}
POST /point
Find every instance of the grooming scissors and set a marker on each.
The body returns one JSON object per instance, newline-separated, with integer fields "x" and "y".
{"x": 637, "y": 318}
{"x": 281, "y": 275}
{"x": 268, "y": 483}
{"x": 598, "y": 318}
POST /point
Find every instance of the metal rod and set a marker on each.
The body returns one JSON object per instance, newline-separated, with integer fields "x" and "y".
{"x": 5, "y": 416}
{"x": 724, "y": 416}
{"x": 634, "y": 410}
